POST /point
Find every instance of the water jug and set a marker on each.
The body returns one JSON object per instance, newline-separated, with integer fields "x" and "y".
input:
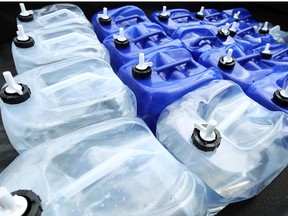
{"x": 50, "y": 101}
{"x": 278, "y": 35}
{"x": 52, "y": 16}
{"x": 237, "y": 63}
{"x": 161, "y": 78}
{"x": 143, "y": 37}
{"x": 236, "y": 146}
{"x": 113, "y": 168}
{"x": 172, "y": 19}
{"x": 271, "y": 91}
{"x": 40, "y": 48}
{"x": 109, "y": 21}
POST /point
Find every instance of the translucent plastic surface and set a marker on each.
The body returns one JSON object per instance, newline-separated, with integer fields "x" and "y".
{"x": 278, "y": 35}
{"x": 56, "y": 15}
{"x": 65, "y": 96}
{"x": 60, "y": 44}
{"x": 113, "y": 168}
{"x": 253, "y": 149}
{"x": 120, "y": 17}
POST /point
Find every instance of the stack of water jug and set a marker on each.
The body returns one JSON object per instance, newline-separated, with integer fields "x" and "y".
{"x": 210, "y": 85}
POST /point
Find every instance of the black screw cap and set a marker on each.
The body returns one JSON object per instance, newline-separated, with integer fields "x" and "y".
{"x": 199, "y": 16}
{"x": 204, "y": 145}
{"x": 163, "y": 17}
{"x": 15, "y": 98}
{"x": 121, "y": 44}
{"x": 28, "y": 18}
{"x": 232, "y": 33}
{"x": 24, "y": 44}
{"x": 227, "y": 65}
{"x": 265, "y": 55}
{"x": 141, "y": 74}
{"x": 279, "y": 99}
{"x": 34, "y": 207}
{"x": 223, "y": 34}
{"x": 105, "y": 21}
{"x": 264, "y": 31}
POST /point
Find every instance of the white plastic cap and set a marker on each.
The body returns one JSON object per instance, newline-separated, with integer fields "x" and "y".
{"x": 104, "y": 15}
{"x": 265, "y": 26}
{"x": 201, "y": 12}
{"x": 12, "y": 87}
{"x": 284, "y": 92}
{"x": 207, "y": 133}
{"x": 24, "y": 12}
{"x": 228, "y": 58}
{"x": 225, "y": 29}
{"x": 142, "y": 64}
{"x": 267, "y": 49}
{"x": 121, "y": 36}
{"x": 233, "y": 27}
{"x": 164, "y": 11}
{"x": 236, "y": 15}
{"x": 21, "y": 34}
{"x": 11, "y": 205}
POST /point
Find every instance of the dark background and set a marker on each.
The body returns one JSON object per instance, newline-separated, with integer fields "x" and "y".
{"x": 273, "y": 200}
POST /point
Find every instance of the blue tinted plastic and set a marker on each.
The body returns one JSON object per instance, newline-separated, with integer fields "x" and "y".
{"x": 183, "y": 17}
{"x": 120, "y": 17}
{"x": 143, "y": 37}
{"x": 244, "y": 16}
{"x": 253, "y": 149}
{"x": 263, "y": 90}
{"x": 174, "y": 73}
{"x": 248, "y": 68}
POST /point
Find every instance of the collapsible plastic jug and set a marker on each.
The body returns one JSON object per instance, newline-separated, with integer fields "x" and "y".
{"x": 240, "y": 14}
{"x": 107, "y": 22}
{"x": 45, "y": 47}
{"x": 62, "y": 97}
{"x": 236, "y": 146}
{"x": 52, "y": 16}
{"x": 237, "y": 63}
{"x": 278, "y": 35}
{"x": 113, "y": 168}
{"x": 271, "y": 91}
{"x": 198, "y": 39}
{"x": 172, "y": 19}
{"x": 143, "y": 37}
{"x": 161, "y": 78}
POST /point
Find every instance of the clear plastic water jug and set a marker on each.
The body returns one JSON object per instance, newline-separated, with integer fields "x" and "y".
{"x": 52, "y": 16}
{"x": 53, "y": 100}
{"x": 113, "y": 168}
{"x": 40, "y": 48}
{"x": 236, "y": 146}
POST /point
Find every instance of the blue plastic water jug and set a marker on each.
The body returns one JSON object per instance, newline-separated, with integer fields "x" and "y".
{"x": 52, "y": 16}
{"x": 271, "y": 91}
{"x": 237, "y": 63}
{"x": 161, "y": 78}
{"x": 143, "y": 37}
{"x": 113, "y": 168}
{"x": 52, "y": 45}
{"x": 109, "y": 21}
{"x": 236, "y": 146}
{"x": 53, "y": 100}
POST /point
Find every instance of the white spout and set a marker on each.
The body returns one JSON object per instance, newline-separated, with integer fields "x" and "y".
{"x": 207, "y": 133}
{"x": 24, "y": 12}
{"x": 225, "y": 29}
{"x": 236, "y": 15}
{"x": 265, "y": 26}
{"x": 164, "y": 11}
{"x": 105, "y": 15}
{"x": 233, "y": 27}
{"x": 12, "y": 87}
{"x": 21, "y": 33}
{"x": 201, "y": 12}
{"x": 284, "y": 92}
{"x": 11, "y": 205}
{"x": 142, "y": 64}
{"x": 228, "y": 58}
{"x": 267, "y": 49}
{"x": 121, "y": 36}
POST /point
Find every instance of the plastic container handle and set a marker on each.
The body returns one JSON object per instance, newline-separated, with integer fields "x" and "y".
{"x": 244, "y": 30}
{"x": 181, "y": 16}
{"x": 280, "y": 52}
{"x": 128, "y": 18}
{"x": 247, "y": 57}
{"x": 142, "y": 37}
{"x": 212, "y": 15}
{"x": 172, "y": 64}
